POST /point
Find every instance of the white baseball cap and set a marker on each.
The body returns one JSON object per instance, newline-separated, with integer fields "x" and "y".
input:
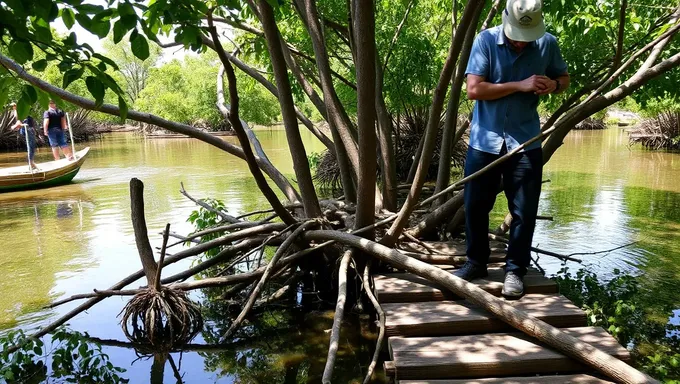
{"x": 523, "y": 20}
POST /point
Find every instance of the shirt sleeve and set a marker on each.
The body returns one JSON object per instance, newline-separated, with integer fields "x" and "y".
{"x": 46, "y": 115}
{"x": 478, "y": 64}
{"x": 556, "y": 66}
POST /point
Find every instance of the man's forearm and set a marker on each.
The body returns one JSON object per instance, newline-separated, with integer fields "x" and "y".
{"x": 490, "y": 91}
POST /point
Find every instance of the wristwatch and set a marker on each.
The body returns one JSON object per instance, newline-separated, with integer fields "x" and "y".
{"x": 557, "y": 86}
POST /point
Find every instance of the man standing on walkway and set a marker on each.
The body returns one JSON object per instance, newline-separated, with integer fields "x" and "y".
{"x": 511, "y": 66}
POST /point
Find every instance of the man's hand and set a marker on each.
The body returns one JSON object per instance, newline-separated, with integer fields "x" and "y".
{"x": 550, "y": 86}
{"x": 534, "y": 84}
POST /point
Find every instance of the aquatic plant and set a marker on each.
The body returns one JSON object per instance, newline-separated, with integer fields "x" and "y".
{"x": 69, "y": 357}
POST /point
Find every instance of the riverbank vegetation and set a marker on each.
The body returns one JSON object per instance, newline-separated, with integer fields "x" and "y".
{"x": 660, "y": 132}
{"x": 328, "y": 59}
{"x": 619, "y": 306}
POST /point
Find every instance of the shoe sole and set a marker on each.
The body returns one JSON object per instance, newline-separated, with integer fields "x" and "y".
{"x": 512, "y": 295}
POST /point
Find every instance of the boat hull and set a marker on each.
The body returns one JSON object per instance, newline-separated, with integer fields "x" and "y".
{"x": 51, "y": 174}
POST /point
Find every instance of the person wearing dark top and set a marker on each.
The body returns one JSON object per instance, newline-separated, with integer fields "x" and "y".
{"x": 54, "y": 126}
{"x": 26, "y": 127}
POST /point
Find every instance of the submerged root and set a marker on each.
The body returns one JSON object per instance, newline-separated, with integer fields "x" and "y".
{"x": 163, "y": 319}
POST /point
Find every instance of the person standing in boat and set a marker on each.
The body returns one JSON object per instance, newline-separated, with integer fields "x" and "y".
{"x": 511, "y": 66}
{"x": 26, "y": 127}
{"x": 54, "y": 126}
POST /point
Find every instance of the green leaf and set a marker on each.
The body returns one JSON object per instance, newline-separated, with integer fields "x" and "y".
{"x": 3, "y": 95}
{"x": 84, "y": 20}
{"x": 100, "y": 26}
{"x": 31, "y": 94}
{"x": 21, "y": 51}
{"x": 139, "y": 45}
{"x": 71, "y": 39}
{"x": 68, "y": 17}
{"x": 28, "y": 97}
{"x": 126, "y": 9}
{"x": 123, "y": 108}
{"x": 40, "y": 65}
{"x": 96, "y": 88}
{"x": 37, "y": 350}
{"x": 106, "y": 60}
{"x": 72, "y": 75}
{"x": 119, "y": 31}
{"x": 43, "y": 99}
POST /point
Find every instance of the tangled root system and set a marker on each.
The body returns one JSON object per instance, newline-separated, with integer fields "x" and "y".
{"x": 164, "y": 319}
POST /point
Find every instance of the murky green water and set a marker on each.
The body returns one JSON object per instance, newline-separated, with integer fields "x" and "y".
{"x": 61, "y": 241}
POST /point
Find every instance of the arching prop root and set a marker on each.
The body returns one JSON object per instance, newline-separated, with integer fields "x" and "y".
{"x": 163, "y": 318}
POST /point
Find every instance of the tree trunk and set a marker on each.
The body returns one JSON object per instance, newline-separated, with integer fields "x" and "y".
{"x": 297, "y": 148}
{"x": 141, "y": 235}
{"x": 232, "y": 115}
{"x": 252, "y": 72}
{"x": 567, "y": 122}
{"x": 364, "y": 38}
{"x": 337, "y": 116}
{"x": 444, "y": 172}
{"x": 387, "y": 158}
{"x": 471, "y": 14}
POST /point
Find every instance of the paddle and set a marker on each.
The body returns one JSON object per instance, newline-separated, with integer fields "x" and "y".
{"x": 28, "y": 147}
{"x": 70, "y": 131}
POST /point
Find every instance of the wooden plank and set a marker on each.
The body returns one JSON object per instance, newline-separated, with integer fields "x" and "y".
{"x": 449, "y": 248}
{"x": 552, "y": 379}
{"x": 406, "y": 287}
{"x": 438, "y": 259}
{"x": 491, "y": 355}
{"x": 436, "y": 318}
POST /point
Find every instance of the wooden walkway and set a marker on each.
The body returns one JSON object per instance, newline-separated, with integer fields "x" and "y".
{"x": 435, "y": 337}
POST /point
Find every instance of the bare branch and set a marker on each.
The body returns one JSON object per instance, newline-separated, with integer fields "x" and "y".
{"x": 206, "y": 206}
{"x": 396, "y": 34}
{"x": 233, "y": 116}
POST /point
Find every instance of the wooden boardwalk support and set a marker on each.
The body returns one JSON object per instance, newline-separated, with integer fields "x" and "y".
{"x": 437, "y": 338}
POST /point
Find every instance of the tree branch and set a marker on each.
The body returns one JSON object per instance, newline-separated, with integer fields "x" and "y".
{"x": 297, "y": 148}
{"x": 148, "y": 118}
{"x": 396, "y": 34}
{"x": 471, "y": 15}
{"x": 232, "y": 115}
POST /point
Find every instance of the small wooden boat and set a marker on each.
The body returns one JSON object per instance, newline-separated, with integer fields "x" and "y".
{"x": 48, "y": 174}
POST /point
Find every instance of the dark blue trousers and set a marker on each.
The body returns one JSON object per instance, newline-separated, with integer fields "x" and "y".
{"x": 521, "y": 175}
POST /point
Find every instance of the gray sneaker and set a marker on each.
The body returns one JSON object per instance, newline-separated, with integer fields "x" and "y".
{"x": 469, "y": 272}
{"x": 513, "y": 287}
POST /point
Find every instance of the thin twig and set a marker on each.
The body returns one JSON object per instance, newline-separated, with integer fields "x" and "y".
{"x": 157, "y": 280}
{"x": 605, "y": 251}
{"x": 206, "y": 206}
{"x": 549, "y": 253}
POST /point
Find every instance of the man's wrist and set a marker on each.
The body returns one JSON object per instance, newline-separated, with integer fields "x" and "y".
{"x": 558, "y": 86}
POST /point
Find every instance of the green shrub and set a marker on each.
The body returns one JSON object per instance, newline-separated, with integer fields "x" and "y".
{"x": 617, "y": 306}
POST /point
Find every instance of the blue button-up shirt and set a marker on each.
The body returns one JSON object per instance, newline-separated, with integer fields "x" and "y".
{"x": 512, "y": 119}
